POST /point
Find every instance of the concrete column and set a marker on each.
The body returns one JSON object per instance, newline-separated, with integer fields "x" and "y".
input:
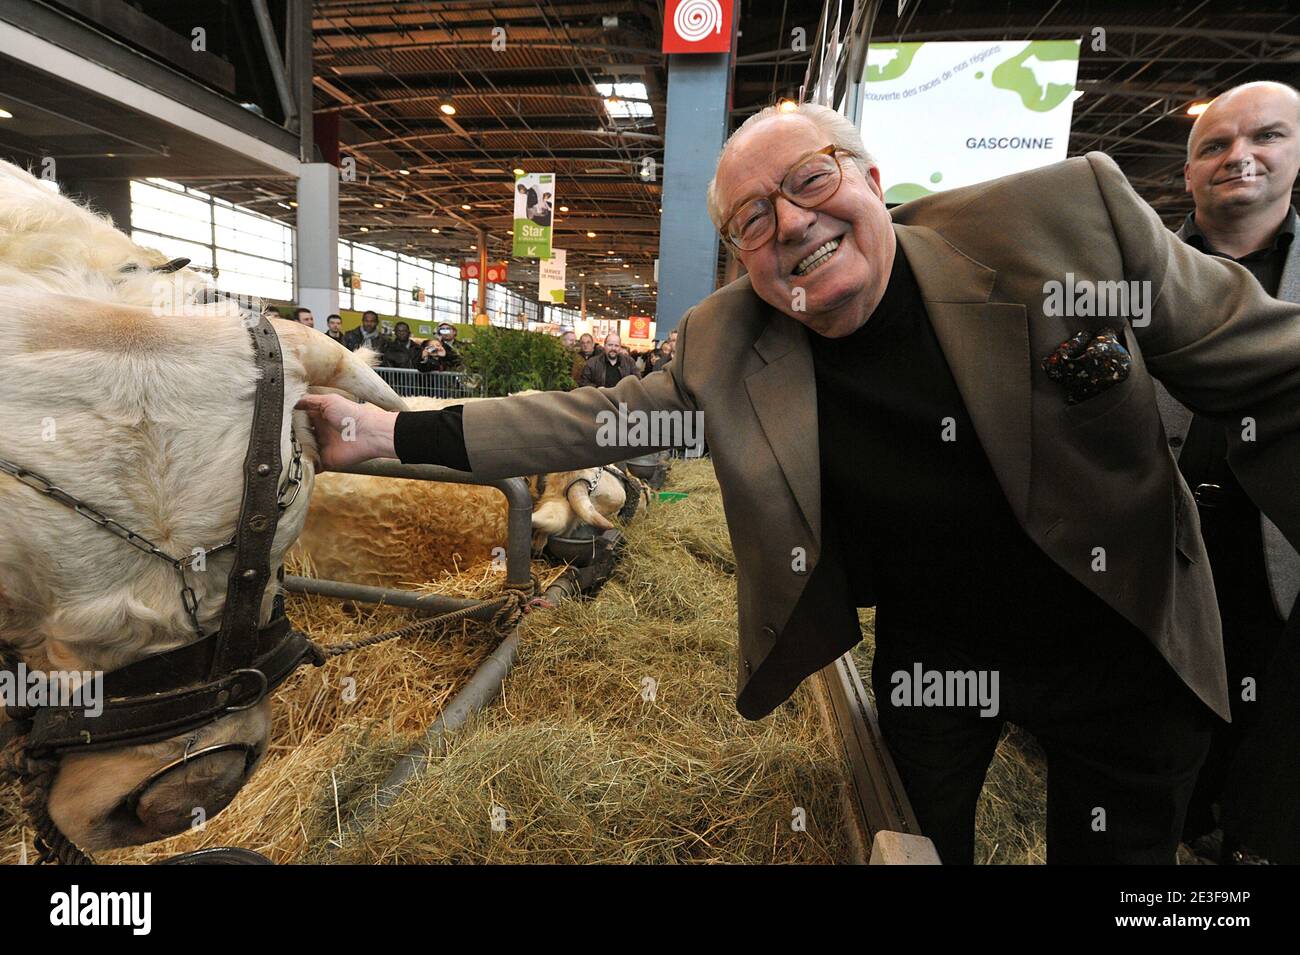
{"x": 697, "y": 126}
{"x": 316, "y": 258}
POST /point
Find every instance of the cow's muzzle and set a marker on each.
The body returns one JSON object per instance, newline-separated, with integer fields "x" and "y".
{"x": 196, "y": 786}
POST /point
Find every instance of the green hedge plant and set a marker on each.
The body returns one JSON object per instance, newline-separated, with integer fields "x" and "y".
{"x": 508, "y": 360}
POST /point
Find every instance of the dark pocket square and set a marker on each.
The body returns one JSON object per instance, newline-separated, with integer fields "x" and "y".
{"x": 1086, "y": 365}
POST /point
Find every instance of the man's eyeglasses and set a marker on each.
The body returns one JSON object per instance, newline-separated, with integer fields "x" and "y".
{"x": 810, "y": 182}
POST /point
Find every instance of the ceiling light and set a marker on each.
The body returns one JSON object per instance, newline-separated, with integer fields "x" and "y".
{"x": 520, "y": 172}
{"x": 293, "y": 203}
{"x": 787, "y": 106}
{"x": 435, "y": 231}
{"x": 378, "y": 205}
{"x": 447, "y": 109}
{"x": 5, "y": 114}
{"x": 403, "y": 172}
{"x": 591, "y": 235}
{"x": 626, "y": 266}
{"x": 1197, "y": 108}
{"x": 365, "y": 228}
{"x": 466, "y": 206}
{"x": 564, "y": 208}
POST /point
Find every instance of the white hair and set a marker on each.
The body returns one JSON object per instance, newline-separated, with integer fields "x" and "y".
{"x": 837, "y": 129}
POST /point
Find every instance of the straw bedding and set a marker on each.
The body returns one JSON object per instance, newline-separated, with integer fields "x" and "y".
{"x": 573, "y": 763}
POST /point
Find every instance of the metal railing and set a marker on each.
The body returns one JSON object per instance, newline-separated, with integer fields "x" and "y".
{"x": 410, "y": 383}
{"x": 519, "y": 534}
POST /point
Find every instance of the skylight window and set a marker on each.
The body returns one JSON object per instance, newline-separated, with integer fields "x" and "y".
{"x": 625, "y": 100}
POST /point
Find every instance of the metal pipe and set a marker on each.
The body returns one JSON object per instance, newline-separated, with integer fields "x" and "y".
{"x": 410, "y": 599}
{"x": 267, "y": 30}
{"x": 481, "y": 690}
{"x": 519, "y": 518}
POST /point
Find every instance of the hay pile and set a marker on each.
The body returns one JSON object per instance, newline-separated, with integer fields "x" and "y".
{"x": 584, "y": 769}
{"x": 580, "y": 766}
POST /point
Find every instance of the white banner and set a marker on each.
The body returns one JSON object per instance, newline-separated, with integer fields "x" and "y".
{"x": 937, "y": 116}
{"x": 550, "y": 278}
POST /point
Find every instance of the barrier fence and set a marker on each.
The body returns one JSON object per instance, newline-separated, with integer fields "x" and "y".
{"x": 410, "y": 383}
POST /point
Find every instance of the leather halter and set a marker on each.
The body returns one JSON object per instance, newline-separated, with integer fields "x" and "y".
{"x": 170, "y": 693}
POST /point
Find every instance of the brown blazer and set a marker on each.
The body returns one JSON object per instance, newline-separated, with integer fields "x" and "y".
{"x": 1096, "y": 474}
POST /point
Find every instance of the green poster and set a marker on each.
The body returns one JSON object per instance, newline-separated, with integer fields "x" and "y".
{"x": 534, "y": 212}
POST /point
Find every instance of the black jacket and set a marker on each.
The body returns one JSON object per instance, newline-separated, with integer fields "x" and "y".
{"x": 593, "y": 373}
{"x": 353, "y": 339}
{"x": 400, "y": 355}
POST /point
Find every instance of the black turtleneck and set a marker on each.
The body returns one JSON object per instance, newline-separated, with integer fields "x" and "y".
{"x": 917, "y": 512}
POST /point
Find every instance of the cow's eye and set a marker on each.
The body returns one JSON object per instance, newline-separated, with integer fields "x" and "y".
{"x": 130, "y": 267}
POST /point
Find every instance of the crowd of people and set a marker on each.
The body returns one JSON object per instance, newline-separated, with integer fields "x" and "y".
{"x": 601, "y": 364}
{"x": 608, "y": 363}
{"x": 398, "y": 350}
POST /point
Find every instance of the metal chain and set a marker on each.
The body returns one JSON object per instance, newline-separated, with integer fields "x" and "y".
{"x": 40, "y": 484}
{"x": 288, "y": 493}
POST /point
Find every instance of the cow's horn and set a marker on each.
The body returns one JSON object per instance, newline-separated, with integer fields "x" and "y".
{"x": 579, "y": 496}
{"x": 329, "y": 365}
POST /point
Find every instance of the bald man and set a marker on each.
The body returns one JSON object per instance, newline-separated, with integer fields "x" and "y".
{"x": 1243, "y": 156}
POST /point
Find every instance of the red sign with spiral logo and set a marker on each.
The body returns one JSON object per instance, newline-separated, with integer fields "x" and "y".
{"x": 697, "y": 26}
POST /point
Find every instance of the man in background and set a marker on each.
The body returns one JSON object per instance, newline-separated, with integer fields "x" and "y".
{"x": 609, "y": 367}
{"x": 333, "y": 328}
{"x": 1243, "y": 156}
{"x": 368, "y": 334}
{"x": 303, "y": 316}
{"x": 401, "y": 351}
{"x": 447, "y": 335}
{"x": 586, "y": 349}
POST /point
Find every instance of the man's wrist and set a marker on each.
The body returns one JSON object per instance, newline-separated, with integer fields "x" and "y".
{"x": 379, "y": 434}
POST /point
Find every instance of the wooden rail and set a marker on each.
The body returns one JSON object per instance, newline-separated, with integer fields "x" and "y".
{"x": 877, "y": 803}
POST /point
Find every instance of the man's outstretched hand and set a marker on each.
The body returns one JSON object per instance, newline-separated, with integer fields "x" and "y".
{"x": 347, "y": 432}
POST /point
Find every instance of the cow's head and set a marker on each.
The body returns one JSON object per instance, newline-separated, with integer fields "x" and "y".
{"x": 147, "y": 417}
{"x": 566, "y": 500}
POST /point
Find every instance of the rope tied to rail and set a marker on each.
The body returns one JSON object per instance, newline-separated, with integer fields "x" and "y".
{"x": 511, "y": 607}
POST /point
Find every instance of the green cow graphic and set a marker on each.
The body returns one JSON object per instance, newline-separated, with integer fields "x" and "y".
{"x": 891, "y": 60}
{"x": 1041, "y": 75}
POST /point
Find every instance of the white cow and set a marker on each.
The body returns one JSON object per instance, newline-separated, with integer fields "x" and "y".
{"x": 147, "y": 418}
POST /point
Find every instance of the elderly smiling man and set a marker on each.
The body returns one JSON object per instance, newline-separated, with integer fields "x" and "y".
{"x": 906, "y": 412}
